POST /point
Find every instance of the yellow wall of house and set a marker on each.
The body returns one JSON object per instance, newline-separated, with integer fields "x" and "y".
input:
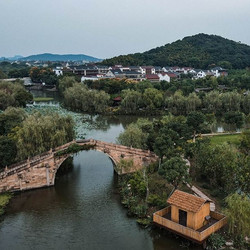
{"x": 175, "y": 214}
{"x": 200, "y": 216}
{"x": 191, "y": 220}
{"x": 194, "y": 220}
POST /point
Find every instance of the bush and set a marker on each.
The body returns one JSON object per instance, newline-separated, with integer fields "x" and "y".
{"x": 140, "y": 210}
{"x": 215, "y": 241}
{"x": 156, "y": 200}
{"x": 4, "y": 200}
{"x": 205, "y": 185}
{"x": 239, "y": 241}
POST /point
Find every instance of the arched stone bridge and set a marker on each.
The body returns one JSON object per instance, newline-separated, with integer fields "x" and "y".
{"x": 40, "y": 171}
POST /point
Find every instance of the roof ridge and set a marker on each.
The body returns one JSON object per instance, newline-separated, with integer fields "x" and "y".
{"x": 186, "y": 201}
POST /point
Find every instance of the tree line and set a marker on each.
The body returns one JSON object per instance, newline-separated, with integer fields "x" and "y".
{"x": 174, "y": 136}
{"x": 13, "y": 70}
{"x": 145, "y": 97}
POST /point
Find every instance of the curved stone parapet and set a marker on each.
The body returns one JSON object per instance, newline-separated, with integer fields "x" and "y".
{"x": 40, "y": 171}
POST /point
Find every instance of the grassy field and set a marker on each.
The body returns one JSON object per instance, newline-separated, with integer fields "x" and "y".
{"x": 43, "y": 99}
{"x": 219, "y": 139}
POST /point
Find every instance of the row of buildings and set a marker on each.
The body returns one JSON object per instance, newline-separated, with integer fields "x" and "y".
{"x": 137, "y": 73}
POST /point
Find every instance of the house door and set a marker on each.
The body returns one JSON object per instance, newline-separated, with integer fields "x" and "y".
{"x": 182, "y": 217}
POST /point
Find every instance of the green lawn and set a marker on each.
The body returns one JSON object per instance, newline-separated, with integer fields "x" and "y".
{"x": 43, "y": 99}
{"x": 219, "y": 139}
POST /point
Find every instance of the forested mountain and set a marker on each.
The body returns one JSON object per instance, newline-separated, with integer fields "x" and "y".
{"x": 199, "y": 51}
{"x": 55, "y": 57}
{"x": 14, "y": 58}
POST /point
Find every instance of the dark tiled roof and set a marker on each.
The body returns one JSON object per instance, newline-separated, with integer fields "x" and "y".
{"x": 128, "y": 72}
{"x": 152, "y": 76}
{"x": 158, "y": 68}
{"x": 147, "y": 67}
{"x": 134, "y": 67}
{"x": 116, "y": 71}
{"x": 171, "y": 75}
{"x": 186, "y": 202}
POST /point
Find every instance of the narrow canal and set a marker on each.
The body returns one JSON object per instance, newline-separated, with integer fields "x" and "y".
{"x": 83, "y": 209}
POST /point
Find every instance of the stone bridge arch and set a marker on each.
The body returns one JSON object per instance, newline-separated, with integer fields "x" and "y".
{"x": 40, "y": 171}
{"x": 62, "y": 159}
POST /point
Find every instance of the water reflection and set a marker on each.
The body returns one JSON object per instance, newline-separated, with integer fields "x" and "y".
{"x": 82, "y": 211}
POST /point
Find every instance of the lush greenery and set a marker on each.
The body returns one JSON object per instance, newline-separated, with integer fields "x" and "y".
{"x": 211, "y": 164}
{"x": 238, "y": 211}
{"x": 43, "y": 75}
{"x": 216, "y": 241}
{"x": 43, "y": 99}
{"x": 179, "y": 98}
{"x": 214, "y": 165}
{"x": 23, "y": 136}
{"x": 4, "y": 200}
{"x": 144, "y": 192}
{"x": 199, "y": 51}
{"x": 220, "y": 139}
{"x": 175, "y": 171}
{"x": 40, "y": 133}
{"x": 80, "y": 98}
{"x": 13, "y": 94}
{"x": 13, "y": 70}
{"x": 66, "y": 82}
{"x": 219, "y": 167}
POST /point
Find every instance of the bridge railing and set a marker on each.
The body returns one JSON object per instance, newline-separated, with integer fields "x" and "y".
{"x": 24, "y": 164}
{"x": 117, "y": 147}
{"x": 35, "y": 159}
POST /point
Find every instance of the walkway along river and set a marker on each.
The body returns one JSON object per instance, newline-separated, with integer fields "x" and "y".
{"x": 82, "y": 210}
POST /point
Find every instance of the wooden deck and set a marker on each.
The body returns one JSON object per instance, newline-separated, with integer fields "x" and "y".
{"x": 162, "y": 219}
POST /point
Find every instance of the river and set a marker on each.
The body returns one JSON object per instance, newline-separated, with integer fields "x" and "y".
{"x": 83, "y": 209}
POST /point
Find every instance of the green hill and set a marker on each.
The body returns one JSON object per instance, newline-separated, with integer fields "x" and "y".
{"x": 199, "y": 51}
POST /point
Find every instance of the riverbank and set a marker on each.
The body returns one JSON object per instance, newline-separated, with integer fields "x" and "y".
{"x": 4, "y": 201}
{"x": 144, "y": 193}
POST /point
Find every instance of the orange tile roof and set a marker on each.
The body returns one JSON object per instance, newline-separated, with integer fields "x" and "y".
{"x": 186, "y": 202}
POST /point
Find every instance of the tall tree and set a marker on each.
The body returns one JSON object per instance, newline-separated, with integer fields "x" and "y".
{"x": 238, "y": 211}
{"x": 175, "y": 171}
{"x": 195, "y": 120}
{"x": 39, "y": 133}
{"x": 133, "y": 137}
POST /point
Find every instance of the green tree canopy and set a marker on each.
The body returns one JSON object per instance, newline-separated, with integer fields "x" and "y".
{"x": 175, "y": 171}
{"x": 39, "y": 133}
{"x": 238, "y": 211}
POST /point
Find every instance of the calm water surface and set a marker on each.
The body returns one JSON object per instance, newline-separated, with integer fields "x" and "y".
{"x": 83, "y": 209}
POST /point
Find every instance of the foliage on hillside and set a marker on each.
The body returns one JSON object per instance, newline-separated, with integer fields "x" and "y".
{"x": 199, "y": 51}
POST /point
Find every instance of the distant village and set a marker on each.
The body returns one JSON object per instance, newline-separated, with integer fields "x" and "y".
{"x": 137, "y": 73}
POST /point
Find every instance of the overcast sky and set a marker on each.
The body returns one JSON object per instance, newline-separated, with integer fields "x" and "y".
{"x": 106, "y": 28}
